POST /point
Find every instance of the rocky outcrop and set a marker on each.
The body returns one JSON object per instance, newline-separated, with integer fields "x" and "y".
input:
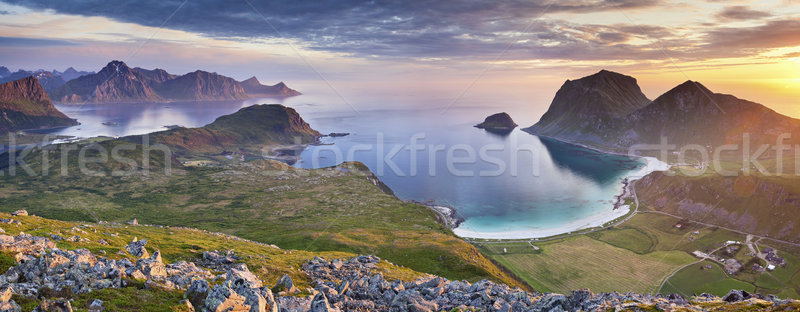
{"x": 340, "y": 285}
{"x": 500, "y": 122}
{"x": 24, "y": 104}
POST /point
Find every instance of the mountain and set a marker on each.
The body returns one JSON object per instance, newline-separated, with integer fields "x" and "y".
{"x": 608, "y": 111}
{"x": 24, "y": 104}
{"x": 4, "y": 71}
{"x": 500, "y": 122}
{"x": 254, "y": 87}
{"x": 119, "y": 83}
{"x": 114, "y": 83}
{"x": 583, "y": 109}
{"x": 156, "y": 75}
{"x": 201, "y": 85}
{"x": 71, "y": 73}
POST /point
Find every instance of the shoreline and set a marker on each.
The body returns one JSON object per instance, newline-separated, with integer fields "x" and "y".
{"x": 618, "y": 211}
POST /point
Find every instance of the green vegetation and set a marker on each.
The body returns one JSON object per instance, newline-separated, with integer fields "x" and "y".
{"x": 582, "y": 262}
{"x": 638, "y": 255}
{"x": 175, "y": 244}
{"x": 696, "y": 279}
{"x": 332, "y": 209}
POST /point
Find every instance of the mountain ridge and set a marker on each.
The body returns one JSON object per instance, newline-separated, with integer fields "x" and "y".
{"x": 118, "y": 83}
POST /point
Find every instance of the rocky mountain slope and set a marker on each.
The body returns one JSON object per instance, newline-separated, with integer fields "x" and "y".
{"x": 25, "y": 105}
{"x": 157, "y": 75}
{"x": 97, "y": 267}
{"x": 254, "y": 87}
{"x": 119, "y": 83}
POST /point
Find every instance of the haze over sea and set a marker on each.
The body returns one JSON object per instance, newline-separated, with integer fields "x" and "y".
{"x": 425, "y": 149}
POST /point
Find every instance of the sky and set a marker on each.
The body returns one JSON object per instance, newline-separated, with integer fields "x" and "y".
{"x": 516, "y": 52}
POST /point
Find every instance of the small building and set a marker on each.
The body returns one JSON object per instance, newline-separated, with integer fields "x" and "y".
{"x": 678, "y": 225}
{"x": 770, "y": 267}
{"x": 696, "y": 232}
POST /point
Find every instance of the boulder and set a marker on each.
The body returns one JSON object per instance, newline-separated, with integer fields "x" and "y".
{"x": 320, "y": 304}
{"x": 20, "y": 212}
{"x": 285, "y": 284}
{"x": 136, "y": 248}
{"x": 96, "y": 306}
{"x": 5, "y": 299}
{"x": 58, "y": 305}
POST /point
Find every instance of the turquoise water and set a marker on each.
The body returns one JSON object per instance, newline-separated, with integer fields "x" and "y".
{"x": 553, "y": 185}
{"x": 545, "y": 184}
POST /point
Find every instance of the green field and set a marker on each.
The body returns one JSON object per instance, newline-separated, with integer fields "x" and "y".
{"x": 582, "y": 262}
{"x": 695, "y": 279}
{"x": 637, "y": 256}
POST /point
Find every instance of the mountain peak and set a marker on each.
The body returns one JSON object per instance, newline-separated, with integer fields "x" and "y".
{"x": 115, "y": 67}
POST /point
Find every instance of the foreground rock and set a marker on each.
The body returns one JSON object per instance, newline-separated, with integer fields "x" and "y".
{"x": 339, "y": 285}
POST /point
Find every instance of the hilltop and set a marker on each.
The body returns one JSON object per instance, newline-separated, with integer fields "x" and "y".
{"x": 117, "y": 82}
{"x": 24, "y": 104}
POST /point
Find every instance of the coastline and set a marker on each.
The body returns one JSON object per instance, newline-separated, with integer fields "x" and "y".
{"x": 618, "y": 211}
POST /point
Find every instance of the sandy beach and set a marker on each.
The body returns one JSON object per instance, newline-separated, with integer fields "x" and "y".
{"x": 651, "y": 164}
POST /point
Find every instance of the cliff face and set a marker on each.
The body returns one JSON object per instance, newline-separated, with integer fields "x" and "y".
{"x": 24, "y": 104}
{"x": 254, "y": 87}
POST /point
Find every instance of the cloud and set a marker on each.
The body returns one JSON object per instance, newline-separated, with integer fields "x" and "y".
{"x": 33, "y": 42}
{"x": 452, "y": 29}
{"x": 740, "y": 12}
{"x": 774, "y": 34}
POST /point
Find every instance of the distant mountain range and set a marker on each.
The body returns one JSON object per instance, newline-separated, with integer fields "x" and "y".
{"x": 50, "y": 80}
{"x": 117, "y": 82}
{"x": 608, "y": 110}
{"x": 24, "y": 104}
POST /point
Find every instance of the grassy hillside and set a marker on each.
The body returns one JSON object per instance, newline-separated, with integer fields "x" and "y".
{"x": 332, "y": 209}
{"x": 175, "y": 244}
{"x": 755, "y": 204}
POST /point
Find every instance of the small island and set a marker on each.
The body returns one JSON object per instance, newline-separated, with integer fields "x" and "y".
{"x": 500, "y": 122}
